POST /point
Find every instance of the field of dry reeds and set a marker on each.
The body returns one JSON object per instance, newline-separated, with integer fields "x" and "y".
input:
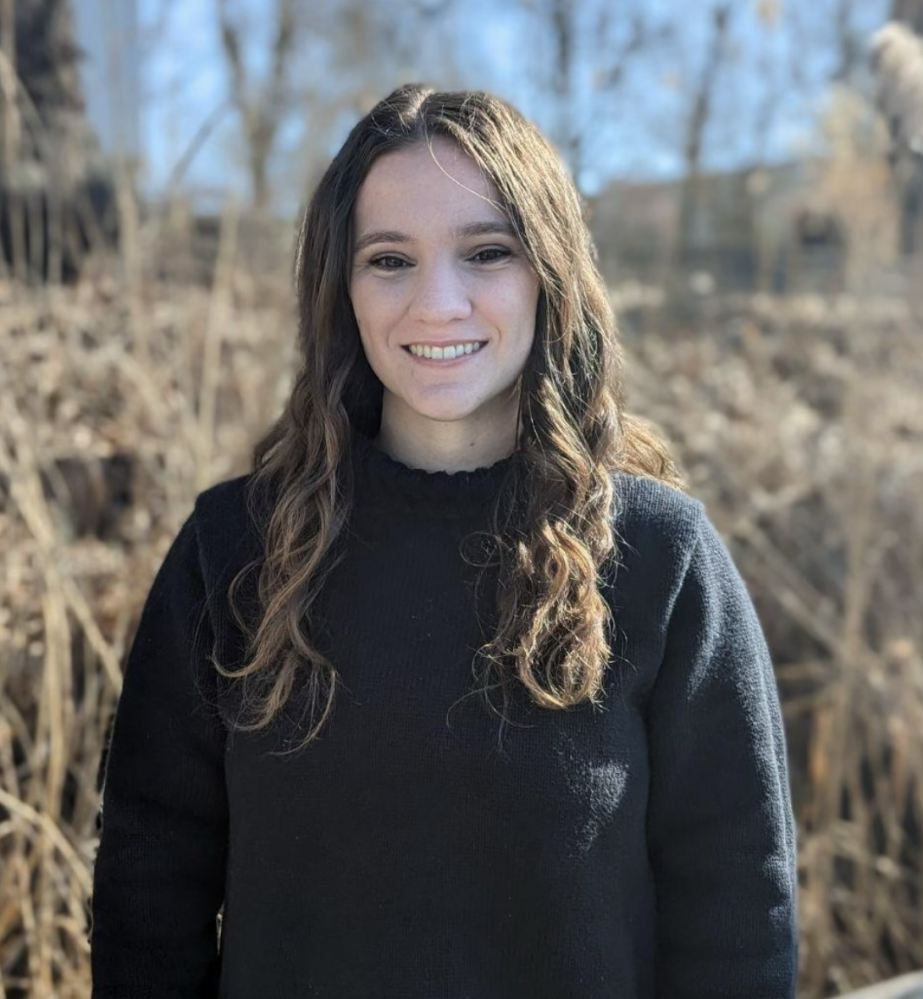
{"x": 800, "y": 424}
{"x": 798, "y": 421}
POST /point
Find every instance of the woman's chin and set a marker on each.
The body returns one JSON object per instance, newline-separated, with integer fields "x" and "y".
{"x": 452, "y": 407}
{"x": 442, "y": 411}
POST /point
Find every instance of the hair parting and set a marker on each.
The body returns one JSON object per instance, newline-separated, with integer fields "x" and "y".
{"x": 551, "y": 539}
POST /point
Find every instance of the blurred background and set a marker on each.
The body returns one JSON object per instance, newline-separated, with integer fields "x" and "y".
{"x": 752, "y": 172}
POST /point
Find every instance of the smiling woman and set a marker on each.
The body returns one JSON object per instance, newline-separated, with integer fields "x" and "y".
{"x": 453, "y": 505}
{"x": 445, "y": 305}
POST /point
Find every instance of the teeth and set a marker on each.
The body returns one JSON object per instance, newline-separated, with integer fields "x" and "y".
{"x": 444, "y": 353}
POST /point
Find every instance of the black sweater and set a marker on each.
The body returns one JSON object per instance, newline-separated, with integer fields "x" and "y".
{"x": 644, "y": 850}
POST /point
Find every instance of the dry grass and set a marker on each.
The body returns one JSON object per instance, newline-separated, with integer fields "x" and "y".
{"x": 100, "y": 458}
{"x": 799, "y": 422}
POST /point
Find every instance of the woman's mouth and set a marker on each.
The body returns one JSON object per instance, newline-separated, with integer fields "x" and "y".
{"x": 444, "y": 352}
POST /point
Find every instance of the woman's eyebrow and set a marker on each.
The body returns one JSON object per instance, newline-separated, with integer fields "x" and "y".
{"x": 381, "y": 236}
{"x": 488, "y": 227}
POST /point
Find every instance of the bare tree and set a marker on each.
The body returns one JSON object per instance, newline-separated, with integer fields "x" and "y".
{"x": 910, "y": 12}
{"x": 593, "y": 47}
{"x": 328, "y": 62}
{"x": 849, "y": 54}
{"x": 700, "y": 114}
{"x": 781, "y": 70}
{"x": 54, "y": 188}
{"x": 897, "y": 60}
{"x": 260, "y": 106}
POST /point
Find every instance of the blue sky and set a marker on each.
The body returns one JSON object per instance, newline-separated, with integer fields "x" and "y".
{"x": 636, "y": 132}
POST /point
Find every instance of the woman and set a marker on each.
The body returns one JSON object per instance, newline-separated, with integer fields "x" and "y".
{"x": 457, "y": 694}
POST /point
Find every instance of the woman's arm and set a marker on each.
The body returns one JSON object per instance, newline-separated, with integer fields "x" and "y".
{"x": 159, "y": 872}
{"x": 720, "y": 828}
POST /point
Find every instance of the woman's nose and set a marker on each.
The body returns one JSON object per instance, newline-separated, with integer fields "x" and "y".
{"x": 440, "y": 294}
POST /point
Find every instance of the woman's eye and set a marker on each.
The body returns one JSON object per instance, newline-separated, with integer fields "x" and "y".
{"x": 491, "y": 254}
{"x": 388, "y": 263}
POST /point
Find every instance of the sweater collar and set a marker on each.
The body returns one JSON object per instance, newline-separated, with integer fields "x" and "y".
{"x": 440, "y": 494}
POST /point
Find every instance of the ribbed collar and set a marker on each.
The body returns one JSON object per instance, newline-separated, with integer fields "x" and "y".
{"x": 440, "y": 494}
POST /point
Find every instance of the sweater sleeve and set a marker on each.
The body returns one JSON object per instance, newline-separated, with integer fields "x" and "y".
{"x": 720, "y": 827}
{"x": 158, "y": 879}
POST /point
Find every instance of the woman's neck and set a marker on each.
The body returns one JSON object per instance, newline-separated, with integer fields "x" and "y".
{"x": 445, "y": 447}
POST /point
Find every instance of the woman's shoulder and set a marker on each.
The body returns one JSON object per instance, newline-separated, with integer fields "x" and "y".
{"x": 666, "y": 541}
{"x": 226, "y": 534}
{"x": 224, "y": 501}
{"x": 653, "y": 517}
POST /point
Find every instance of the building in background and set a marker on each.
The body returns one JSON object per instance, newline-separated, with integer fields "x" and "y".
{"x": 813, "y": 225}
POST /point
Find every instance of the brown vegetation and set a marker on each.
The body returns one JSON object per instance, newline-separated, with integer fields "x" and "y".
{"x": 797, "y": 420}
{"x": 799, "y": 423}
{"x": 100, "y": 458}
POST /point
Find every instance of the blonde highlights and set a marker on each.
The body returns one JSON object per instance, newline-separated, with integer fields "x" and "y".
{"x": 553, "y": 540}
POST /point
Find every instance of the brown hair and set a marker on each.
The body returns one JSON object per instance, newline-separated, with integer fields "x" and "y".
{"x": 573, "y": 431}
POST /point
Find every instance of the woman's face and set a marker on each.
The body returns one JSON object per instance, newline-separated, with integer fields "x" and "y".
{"x": 437, "y": 270}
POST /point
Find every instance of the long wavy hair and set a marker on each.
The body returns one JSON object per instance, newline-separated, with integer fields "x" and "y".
{"x": 573, "y": 433}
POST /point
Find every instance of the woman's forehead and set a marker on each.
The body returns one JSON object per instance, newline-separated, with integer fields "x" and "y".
{"x": 436, "y": 179}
